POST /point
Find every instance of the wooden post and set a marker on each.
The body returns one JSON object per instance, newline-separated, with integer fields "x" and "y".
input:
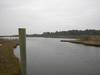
{"x": 22, "y": 42}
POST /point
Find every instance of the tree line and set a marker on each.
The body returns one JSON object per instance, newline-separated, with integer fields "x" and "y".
{"x": 69, "y": 33}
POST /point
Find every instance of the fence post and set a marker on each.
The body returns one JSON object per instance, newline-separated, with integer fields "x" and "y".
{"x": 22, "y": 43}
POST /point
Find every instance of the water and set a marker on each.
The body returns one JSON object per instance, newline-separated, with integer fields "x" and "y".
{"x": 47, "y": 56}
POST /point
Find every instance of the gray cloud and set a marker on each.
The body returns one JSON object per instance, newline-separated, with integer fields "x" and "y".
{"x": 48, "y": 15}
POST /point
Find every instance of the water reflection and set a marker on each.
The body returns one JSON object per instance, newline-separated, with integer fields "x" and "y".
{"x": 47, "y": 56}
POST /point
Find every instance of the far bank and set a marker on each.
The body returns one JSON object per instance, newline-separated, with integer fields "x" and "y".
{"x": 90, "y": 41}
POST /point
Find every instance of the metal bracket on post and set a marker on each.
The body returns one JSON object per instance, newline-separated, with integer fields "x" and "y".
{"x": 22, "y": 43}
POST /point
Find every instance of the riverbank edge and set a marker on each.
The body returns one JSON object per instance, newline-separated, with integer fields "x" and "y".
{"x": 88, "y": 43}
{"x": 9, "y": 64}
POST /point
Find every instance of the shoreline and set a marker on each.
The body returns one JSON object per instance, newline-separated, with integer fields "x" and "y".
{"x": 87, "y": 43}
{"x": 9, "y": 63}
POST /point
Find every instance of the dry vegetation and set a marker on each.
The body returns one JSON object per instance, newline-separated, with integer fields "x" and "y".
{"x": 91, "y": 40}
{"x": 9, "y": 64}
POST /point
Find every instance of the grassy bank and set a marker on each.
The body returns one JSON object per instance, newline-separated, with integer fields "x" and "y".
{"x": 90, "y": 41}
{"x": 9, "y": 63}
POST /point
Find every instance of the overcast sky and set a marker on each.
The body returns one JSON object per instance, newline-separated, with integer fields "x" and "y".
{"x": 39, "y": 16}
